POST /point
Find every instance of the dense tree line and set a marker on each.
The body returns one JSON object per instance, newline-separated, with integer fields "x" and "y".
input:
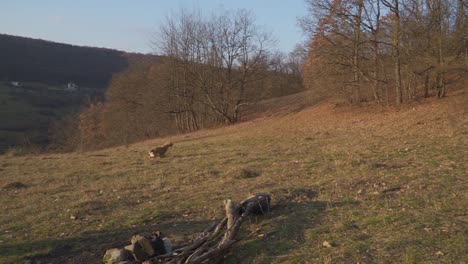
{"x": 210, "y": 70}
{"x": 384, "y": 50}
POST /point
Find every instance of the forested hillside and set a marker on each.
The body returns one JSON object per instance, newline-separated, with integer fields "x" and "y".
{"x": 33, "y": 60}
{"x": 34, "y": 94}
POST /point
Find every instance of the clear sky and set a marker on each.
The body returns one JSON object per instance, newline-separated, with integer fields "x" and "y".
{"x": 130, "y": 24}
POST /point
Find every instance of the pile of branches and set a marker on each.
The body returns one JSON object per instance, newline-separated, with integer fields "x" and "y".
{"x": 212, "y": 245}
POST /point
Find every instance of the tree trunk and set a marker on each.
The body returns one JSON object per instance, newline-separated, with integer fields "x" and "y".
{"x": 396, "y": 55}
{"x": 441, "y": 59}
{"x": 376, "y": 83}
{"x": 460, "y": 30}
{"x": 357, "y": 37}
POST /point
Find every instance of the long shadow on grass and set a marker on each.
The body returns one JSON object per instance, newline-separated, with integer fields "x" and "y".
{"x": 282, "y": 230}
{"x": 90, "y": 247}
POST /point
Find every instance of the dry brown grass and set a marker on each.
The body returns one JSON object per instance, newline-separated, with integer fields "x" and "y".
{"x": 381, "y": 186}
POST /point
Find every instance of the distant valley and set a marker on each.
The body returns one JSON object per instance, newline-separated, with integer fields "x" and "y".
{"x": 43, "y": 81}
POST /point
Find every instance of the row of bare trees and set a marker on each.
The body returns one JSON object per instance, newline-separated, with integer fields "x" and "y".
{"x": 215, "y": 65}
{"x": 208, "y": 71}
{"x": 384, "y": 50}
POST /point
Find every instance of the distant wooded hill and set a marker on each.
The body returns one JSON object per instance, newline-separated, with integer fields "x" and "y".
{"x": 33, "y": 84}
{"x": 34, "y": 60}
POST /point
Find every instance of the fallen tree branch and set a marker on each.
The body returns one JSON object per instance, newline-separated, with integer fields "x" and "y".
{"x": 211, "y": 245}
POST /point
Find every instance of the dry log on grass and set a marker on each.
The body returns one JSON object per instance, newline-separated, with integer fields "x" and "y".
{"x": 211, "y": 245}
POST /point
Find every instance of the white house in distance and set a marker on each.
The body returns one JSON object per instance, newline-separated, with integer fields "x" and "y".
{"x": 15, "y": 84}
{"x": 71, "y": 87}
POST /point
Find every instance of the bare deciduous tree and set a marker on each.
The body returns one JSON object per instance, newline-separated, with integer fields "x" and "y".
{"x": 380, "y": 44}
{"x": 215, "y": 63}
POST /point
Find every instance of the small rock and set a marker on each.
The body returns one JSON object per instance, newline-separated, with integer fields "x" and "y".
{"x": 129, "y": 251}
{"x": 187, "y": 213}
{"x": 129, "y": 248}
{"x": 115, "y": 256}
{"x": 167, "y": 245}
{"x": 258, "y": 203}
{"x": 157, "y": 243}
{"x": 326, "y": 244}
{"x": 142, "y": 248}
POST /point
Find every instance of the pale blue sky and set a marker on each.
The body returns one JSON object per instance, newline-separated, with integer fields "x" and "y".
{"x": 129, "y": 24}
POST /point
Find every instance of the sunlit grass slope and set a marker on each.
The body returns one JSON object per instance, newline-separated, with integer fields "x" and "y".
{"x": 380, "y": 186}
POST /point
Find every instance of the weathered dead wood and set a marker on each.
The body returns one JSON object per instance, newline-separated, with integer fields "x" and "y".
{"x": 211, "y": 245}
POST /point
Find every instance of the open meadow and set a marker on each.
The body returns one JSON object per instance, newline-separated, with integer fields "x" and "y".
{"x": 349, "y": 185}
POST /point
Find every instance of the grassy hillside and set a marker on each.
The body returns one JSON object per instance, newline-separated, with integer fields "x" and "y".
{"x": 380, "y": 186}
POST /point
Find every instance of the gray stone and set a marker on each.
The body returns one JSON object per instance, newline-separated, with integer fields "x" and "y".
{"x": 115, "y": 256}
{"x": 129, "y": 248}
{"x": 167, "y": 245}
{"x": 142, "y": 248}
